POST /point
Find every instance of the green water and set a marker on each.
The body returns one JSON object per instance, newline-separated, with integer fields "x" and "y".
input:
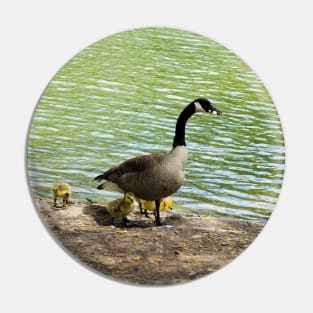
{"x": 121, "y": 97}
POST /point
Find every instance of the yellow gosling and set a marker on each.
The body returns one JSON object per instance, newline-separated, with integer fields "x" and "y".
{"x": 61, "y": 190}
{"x": 168, "y": 204}
{"x": 120, "y": 208}
{"x": 165, "y": 204}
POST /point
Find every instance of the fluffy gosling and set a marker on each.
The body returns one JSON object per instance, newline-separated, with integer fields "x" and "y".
{"x": 61, "y": 190}
{"x": 165, "y": 204}
{"x": 120, "y": 208}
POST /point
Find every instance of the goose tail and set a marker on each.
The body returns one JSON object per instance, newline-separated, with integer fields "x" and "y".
{"x": 110, "y": 186}
{"x": 110, "y": 174}
{"x": 99, "y": 177}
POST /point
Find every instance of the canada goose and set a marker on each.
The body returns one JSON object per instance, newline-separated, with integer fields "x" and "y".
{"x": 165, "y": 204}
{"x": 155, "y": 176}
{"x": 61, "y": 190}
{"x": 120, "y": 208}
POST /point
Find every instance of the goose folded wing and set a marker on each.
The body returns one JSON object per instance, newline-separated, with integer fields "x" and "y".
{"x": 133, "y": 165}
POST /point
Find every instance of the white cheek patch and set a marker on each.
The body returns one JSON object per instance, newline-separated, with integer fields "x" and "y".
{"x": 214, "y": 112}
{"x": 199, "y": 107}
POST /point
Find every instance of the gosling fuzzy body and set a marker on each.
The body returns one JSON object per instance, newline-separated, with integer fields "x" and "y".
{"x": 61, "y": 190}
{"x": 144, "y": 205}
{"x": 120, "y": 208}
{"x": 165, "y": 204}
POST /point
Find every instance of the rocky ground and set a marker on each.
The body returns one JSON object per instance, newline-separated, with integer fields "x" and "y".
{"x": 188, "y": 247}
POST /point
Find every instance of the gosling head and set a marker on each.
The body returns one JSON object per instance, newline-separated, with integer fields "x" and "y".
{"x": 129, "y": 197}
{"x": 66, "y": 196}
{"x": 170, "y": 203}
{"x": 167, "y": 204}
{"x": 204, "y": 105}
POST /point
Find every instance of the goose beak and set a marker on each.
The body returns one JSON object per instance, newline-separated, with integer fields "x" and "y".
{"x": 215, "y": 111}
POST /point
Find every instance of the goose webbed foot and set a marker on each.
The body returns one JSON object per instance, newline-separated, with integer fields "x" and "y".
{"x": 159, "y": 223}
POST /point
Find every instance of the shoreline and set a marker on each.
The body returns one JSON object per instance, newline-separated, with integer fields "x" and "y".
{"x": 188, "y": 247}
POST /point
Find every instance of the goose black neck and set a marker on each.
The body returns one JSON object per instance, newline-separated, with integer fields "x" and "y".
{"x": 179, "y": 139}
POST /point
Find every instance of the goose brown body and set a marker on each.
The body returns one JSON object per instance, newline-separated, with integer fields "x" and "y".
{"x": 150, "y": 177}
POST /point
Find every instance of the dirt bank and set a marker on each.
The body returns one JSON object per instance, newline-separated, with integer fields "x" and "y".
{"x": 190, "y": 246}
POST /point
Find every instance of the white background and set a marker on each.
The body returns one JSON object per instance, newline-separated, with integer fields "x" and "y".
{"x": 274, "y": 38}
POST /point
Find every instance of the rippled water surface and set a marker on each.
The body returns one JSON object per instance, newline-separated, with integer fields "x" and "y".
{"x": 121, "y": 97}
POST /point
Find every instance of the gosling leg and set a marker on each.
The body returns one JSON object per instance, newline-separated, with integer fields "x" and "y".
{"x": 146, "y": 214}
{"x": 124, "y": 221}
{"x": 140, "y": 208}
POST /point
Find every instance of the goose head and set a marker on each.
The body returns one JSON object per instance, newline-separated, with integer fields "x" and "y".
{"x": 204, "y": 105}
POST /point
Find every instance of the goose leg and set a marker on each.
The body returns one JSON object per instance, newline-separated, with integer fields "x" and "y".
{"x": 157, "y": 213}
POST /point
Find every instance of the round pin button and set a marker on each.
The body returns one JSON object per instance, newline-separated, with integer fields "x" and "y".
{"x": 155, "y": 156}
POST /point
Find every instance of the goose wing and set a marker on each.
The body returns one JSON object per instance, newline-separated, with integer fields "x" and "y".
{"x": 133, "y": 165}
